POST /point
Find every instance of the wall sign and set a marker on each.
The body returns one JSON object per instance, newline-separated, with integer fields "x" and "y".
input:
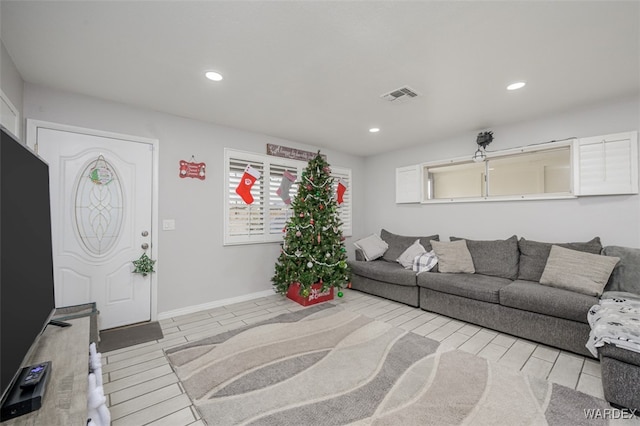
{"x": 291, "y": 153}
{"x": 192, "y": 169}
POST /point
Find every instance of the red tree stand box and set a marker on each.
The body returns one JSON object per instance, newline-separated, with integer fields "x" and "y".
{"x": 315, "y": 296}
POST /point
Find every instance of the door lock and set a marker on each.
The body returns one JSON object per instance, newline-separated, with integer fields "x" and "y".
{"x": 145, "y": 233}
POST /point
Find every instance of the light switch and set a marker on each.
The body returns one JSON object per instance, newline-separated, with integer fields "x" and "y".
{"x": 169, "y": 225}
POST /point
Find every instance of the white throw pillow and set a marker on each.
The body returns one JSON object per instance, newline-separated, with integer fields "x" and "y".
{"x": 407, "y": 257}
{"x": 577, "y": 271}
{"x": 372, "y": 247}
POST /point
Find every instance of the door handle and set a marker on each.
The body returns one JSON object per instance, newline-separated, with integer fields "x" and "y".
{"x": 144, "y": 246}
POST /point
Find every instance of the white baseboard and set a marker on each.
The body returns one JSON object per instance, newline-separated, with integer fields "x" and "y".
{"x": 215, "y": 304}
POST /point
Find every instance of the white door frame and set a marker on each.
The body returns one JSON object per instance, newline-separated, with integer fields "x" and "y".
{"x": 32, "y": 132}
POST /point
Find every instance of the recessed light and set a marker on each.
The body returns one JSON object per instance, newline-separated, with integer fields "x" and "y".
{"x": 212, "y": 75}
{"x": 517, "y": 85}
{"x": 374, "y": 130}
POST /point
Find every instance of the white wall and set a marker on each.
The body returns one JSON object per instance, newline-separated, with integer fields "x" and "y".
{"x": 194, "y": 267}
{"x": 11, "y": 81}
{"x": 614, "y": 218}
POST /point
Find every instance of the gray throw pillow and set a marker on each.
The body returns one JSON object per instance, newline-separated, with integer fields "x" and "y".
{"x": 498, "y": 258}
{"x": 453, "y": 257}
{"x": 534, "y": 254}
{"x": 626, "y": 275}
{"x": 399, "y": 243}
{"x": 577, "y": 271}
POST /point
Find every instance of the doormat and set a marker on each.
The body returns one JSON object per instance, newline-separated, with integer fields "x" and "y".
{"x": 123, "y": 337}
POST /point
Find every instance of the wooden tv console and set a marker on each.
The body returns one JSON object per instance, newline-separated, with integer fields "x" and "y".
{"x": 65, "y": 401}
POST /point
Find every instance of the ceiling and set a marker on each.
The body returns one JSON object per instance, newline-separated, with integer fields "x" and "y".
{"x": 313, "y": 71}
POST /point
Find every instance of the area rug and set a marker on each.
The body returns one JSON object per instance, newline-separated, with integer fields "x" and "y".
{"x": 123, "y": 337}
{"x": 327, "y": 366}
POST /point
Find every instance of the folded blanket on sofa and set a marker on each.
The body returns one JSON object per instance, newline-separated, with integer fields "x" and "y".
{"x": 425, "y": 262}
{"x": 616, "y": 320}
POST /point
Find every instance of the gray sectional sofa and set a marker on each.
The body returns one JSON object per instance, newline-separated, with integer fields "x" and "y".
{"x": 503, "y": 294}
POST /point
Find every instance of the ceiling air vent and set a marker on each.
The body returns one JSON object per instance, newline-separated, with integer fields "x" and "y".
{"x": 400, "y": 95}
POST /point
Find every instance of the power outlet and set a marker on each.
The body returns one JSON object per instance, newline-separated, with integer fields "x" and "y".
{"x": 169, "y": 225}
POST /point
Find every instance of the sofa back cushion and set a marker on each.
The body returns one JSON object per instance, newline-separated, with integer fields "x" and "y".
{"x": 497, "y": 258}
{"x": 626, "y": 275}
{"x": 534, "y": 254}
{"x": 399, "y": 243}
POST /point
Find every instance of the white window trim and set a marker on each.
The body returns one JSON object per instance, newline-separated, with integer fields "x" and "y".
{"x": 267, "y": 161}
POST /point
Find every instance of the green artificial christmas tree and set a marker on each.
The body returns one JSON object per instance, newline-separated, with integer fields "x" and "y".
{"x": 313, "y": 249}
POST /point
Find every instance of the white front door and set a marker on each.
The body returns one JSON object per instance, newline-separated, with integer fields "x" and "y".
{"x": 101, "y": 211}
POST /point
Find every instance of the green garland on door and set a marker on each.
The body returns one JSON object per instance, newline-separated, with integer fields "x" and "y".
{"x": 144, "y": 265}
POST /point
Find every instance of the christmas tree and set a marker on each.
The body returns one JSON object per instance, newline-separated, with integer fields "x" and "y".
{"x": 313, "y": 249}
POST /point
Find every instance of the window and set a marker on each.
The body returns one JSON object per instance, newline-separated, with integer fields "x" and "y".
{"x": 529, "y": 173}
{"x": 263, "y": 220}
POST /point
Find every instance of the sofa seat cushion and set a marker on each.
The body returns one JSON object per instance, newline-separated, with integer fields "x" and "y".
{"x": 556, "y": 302}
{"x": 380, "y": 270}
{"x": 471, "y": 286}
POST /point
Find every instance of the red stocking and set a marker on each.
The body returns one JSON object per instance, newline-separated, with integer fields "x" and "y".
{"x": 341, "y": 190}
{"x": 248, "y": 179}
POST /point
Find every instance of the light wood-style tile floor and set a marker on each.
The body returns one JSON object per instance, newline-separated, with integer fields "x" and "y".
{"x": 142, "y": 389}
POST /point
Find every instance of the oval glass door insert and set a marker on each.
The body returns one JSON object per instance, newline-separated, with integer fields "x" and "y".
{"x": 99, "y": 206}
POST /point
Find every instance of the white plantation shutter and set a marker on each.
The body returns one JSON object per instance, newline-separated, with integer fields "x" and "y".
{"x": 607, "y": 164}
{"x": 244, "y": 220}
{"x": 408, "y": 184}
{"x": 344, "y": 209}
{"x": 279, "y": 212}
{"x": 263, "y": 220}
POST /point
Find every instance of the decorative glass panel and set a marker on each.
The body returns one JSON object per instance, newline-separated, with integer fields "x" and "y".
{"x": 99, "y": 206}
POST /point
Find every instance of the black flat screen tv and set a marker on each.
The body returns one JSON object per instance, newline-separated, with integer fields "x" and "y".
{"x": 26, "y": 275}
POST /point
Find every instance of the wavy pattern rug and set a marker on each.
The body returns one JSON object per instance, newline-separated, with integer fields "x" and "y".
{"x": 326, "y": 366}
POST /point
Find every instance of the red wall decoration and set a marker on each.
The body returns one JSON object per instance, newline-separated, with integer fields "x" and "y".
{"x": 192, "y": 169}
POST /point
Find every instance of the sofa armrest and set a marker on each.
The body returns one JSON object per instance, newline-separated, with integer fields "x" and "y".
{"x": 359, "y": 255}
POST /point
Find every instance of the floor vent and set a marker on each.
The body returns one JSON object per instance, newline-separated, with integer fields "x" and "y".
{"x": 400, "y": 95}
